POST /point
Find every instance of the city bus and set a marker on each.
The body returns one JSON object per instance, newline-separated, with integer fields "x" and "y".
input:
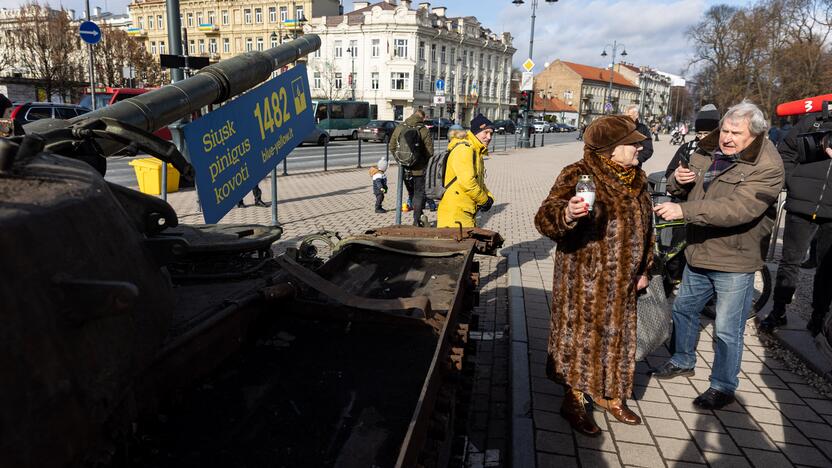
{"x": 341, "y": 118}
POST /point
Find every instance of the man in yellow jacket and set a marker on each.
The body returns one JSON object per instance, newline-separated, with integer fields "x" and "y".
{"x": 466, "y": 192}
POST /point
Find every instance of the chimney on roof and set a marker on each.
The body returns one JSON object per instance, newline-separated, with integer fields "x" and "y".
{"x": 439, "y": 11}
{"x": 424, "y": 6}
{"x": 96, "y": 12}
{"x": 70, "y": 12}
{"x": 407, "y": 3}
{"x": 360, "y": 5}
{"x": 392, "y": 2}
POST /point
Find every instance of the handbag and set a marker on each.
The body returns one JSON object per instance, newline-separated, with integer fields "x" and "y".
{"x": 654, "y": 321}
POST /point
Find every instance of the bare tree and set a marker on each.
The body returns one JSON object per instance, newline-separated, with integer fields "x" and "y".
{"x": 333, "y": 82}
{"x": 48, "y": 48}
{"x": 118, "y": 50}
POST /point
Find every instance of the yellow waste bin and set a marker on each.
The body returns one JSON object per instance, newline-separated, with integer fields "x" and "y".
{"x": 149, "y": 175}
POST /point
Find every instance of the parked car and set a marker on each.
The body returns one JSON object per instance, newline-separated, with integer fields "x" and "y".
{"x": 541, "y": 126}
{"x": 377, "y": 130}
{"x": 21, "y": 113}
{"x": 505, "y": 126}
{"x": 561, "y": 127}
{"x": 434, "y": 124}
{"x": 316, "y": 137}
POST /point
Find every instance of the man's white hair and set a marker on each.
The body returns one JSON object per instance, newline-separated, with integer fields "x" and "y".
{"x": 747, "y": 110}
{"x": 630, "y": 107}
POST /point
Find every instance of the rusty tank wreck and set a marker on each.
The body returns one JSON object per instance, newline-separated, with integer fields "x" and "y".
{"x": 114, "y": 313}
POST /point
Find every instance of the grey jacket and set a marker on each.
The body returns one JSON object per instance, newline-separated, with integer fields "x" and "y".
{"x": 729, "y": 225}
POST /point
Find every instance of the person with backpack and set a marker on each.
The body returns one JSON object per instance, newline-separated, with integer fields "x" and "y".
{"x": 412, "y": 147}
{"x": 463, "y": 176}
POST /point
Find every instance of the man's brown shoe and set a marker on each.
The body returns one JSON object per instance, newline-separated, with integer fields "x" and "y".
{"x": 574, "y": 410}
{"x": 619, "y": 410}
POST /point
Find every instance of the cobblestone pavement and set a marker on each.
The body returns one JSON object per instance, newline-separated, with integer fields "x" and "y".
{"x": 778, "y": 421}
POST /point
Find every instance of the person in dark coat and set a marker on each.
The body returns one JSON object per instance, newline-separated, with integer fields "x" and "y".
{"x": 602, "y": 260}
{"x": 415, "y": 172}
{"x": 646, "y": 152}
{"x": 808, "y": 214}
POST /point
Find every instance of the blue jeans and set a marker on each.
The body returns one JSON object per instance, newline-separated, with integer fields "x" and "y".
{"x": 734, "y": 293}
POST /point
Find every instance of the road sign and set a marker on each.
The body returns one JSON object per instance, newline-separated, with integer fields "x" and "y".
{"x": 527, "y": 81}
{"x": 236, "y": 146}
{"x": 440, "y": 85}
{"x": 608, "y": 107}
{"x": 438, "y": 100}
{"x": 528, "y": 64}
{"x": 90, "y": 32}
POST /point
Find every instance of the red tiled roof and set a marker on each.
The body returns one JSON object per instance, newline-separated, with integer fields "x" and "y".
{"x": 542, "y": 104}
{"x": 599, "y": 74}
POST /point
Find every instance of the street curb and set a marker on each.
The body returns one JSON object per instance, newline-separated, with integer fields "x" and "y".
{"x": 522, "y": 427}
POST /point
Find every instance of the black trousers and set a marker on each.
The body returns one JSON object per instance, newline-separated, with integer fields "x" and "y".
{"x": 418, "y": 198}
{"x": 799, "y": 231}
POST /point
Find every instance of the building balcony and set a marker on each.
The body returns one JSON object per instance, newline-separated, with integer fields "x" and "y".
{"x": 214, "y": 57}
{"x": 209, "y": 28}
{"x": 137, "y": 32}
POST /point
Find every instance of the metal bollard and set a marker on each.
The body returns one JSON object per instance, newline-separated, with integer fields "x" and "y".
{"x": 326, "y": 155}
{"x": 359, "y": 153}
{"x": 542, "y": 140}
{"x": 399, "y": 188}
{"x": 515, "y": 140}
{"x": 164, "y": 191}
{"x": 274, "y": 196}
{"x": 285, "y": 167}
{"x": 534, "y": 140}
{"x": 505, "y": 143}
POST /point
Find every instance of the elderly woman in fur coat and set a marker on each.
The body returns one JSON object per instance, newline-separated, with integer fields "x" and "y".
{"x": 602, "y": 260}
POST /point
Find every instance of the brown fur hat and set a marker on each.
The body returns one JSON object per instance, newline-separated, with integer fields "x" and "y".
{"x": 605, "y": 133}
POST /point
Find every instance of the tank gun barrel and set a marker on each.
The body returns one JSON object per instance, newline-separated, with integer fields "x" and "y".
{"x": 212, "y": 85}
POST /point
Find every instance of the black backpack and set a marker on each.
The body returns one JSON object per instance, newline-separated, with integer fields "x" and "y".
{"x": 410, "y": 149}
{"x": 435, "y": 173}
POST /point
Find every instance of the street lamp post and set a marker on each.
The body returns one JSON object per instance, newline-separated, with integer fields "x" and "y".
{"x": 615, "y": 45}
{"x": 352, "y": 53}
{"x": 524, "y": 136}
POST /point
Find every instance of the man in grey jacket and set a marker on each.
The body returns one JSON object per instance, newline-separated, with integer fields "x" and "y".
{"x": 731, "y": 184}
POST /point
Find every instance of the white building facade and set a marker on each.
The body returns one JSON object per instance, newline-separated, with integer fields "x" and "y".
{"x": 392, "y": 55}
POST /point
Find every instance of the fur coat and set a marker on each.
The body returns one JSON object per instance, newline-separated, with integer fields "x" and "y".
{"x": 592, "y": 341}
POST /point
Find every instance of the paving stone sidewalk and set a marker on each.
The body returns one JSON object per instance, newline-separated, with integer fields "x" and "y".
{"x": 779, "y": 420}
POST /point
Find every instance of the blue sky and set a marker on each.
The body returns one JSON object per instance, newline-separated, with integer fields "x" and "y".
{"x": 653, "y": 31}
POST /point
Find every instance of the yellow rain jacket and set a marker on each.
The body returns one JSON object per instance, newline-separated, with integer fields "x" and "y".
{"x": 468, "y": 191}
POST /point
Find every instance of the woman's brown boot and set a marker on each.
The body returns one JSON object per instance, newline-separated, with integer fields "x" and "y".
{"x": 618, "y": 408}
{"x": 573, "y": 410}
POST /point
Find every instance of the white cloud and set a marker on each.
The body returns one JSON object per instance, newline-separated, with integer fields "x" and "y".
{"x": 653, "y": 32}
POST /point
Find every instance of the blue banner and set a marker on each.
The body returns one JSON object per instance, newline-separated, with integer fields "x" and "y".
{"x": 236, "y": 146}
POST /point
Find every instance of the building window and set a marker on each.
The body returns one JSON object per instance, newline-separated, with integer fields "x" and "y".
{"x": 317, "y": 53}
{"x": 453, "y": 56}
{"x": 401, "y": 47}
{"x": 489, "y": 61}
{"x": 399, "y": 80}
{"x": 442, "y": 56}
{"x": 226, "y": 45}
{"x": 225, "y": 17}
{"x": 201, "y": 43}
{"x": 162, "y": 47}
{"x": 258, "y": 15}
{"x": 376, "y": 43}
{"x": 161, "y": 23}
{"x": 464, "y": 59}
{"x": 339, "y": 52}
{"x": 259, "y": 43}
{"x": 299, "y": 13}
{"x": 316, "y": 80}
{"x": 272, "y": 14}
{"x": 211, "y": 17}
{"x": 191, "y": 47}
{"x": 433, "y": 52}
{"x": 374, "y": 80}
{"x": 198, "y": 19}
{"x": 247, "y": 16}
{"x": 152, "y": 47}
{"x": 421, "y": 50}
{"x": 284, "y": 14}
{"x": 420, "y": 78}
{"x": 482, "y": 58}
{"x": 212, "y": 46}
{"x": 190, "y": 17}
{"x": 249, "y": 44}
{"x": 151, "y": 22}
{"x": 274, "y": 41}
{"x": 339, "y": 80}
{"x": 353, "y": 49}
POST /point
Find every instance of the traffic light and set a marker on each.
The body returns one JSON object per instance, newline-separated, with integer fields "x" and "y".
{"x": 524, "y": 100}
{"x": 450, "y": 108}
